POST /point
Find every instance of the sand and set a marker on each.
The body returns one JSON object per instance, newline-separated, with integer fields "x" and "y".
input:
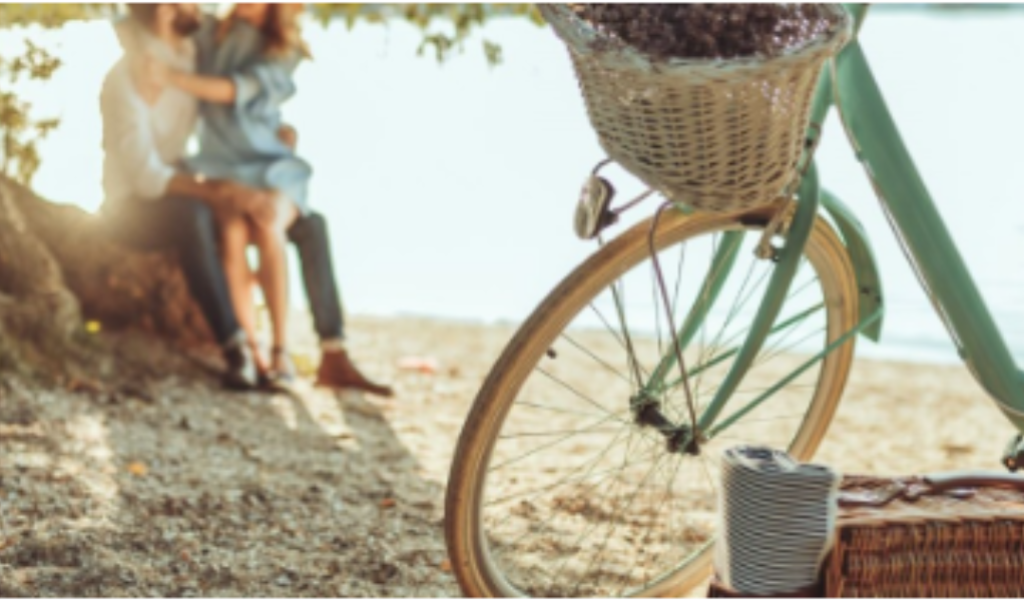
{"x": 187, "y": 491}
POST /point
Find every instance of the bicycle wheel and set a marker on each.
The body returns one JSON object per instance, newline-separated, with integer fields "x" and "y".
{"x": 556, "y": 490}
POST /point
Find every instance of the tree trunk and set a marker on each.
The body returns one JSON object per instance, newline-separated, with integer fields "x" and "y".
{"x": 59, "y": 268}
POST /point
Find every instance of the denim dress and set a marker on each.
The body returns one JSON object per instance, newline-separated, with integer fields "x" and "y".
{"x": 240, "y": 141}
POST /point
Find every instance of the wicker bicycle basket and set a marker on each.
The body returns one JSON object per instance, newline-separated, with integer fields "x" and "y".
{"x": 715, "y": 134}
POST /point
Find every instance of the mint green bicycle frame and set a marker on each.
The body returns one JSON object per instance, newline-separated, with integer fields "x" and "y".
{"x": 849, "y": 85}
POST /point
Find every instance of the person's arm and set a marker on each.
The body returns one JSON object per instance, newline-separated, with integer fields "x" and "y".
{"x": 217, "y": 90}
{"x": 209, "y": 88}
{"x": 213, "y": 192}
{"x": 128, "y": 140}
{"x": 221, "y": 194}
{"x": 288, "y": 135}
{"x": 263, "y": 85}
{"x": 191, "y": 186}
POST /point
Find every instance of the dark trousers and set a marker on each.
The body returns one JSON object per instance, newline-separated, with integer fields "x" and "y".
{"x": 188, "y": 227}
{"x": 309, "y": 234}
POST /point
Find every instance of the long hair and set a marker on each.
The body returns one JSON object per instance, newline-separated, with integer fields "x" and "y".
{"x": 280, "y": 30}
{"x": 143, "y": 13}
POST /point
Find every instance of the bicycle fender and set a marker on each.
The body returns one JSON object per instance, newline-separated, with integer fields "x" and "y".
{"x": 869, "y": 283}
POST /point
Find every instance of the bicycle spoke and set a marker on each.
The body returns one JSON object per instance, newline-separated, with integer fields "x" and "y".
{"x": 761, "y": 390}
{"x": 679, "y": 275}
{"x": 657, "y": 313}
{"x": 608, "y": 326}
{"x": 737, "y": 335}
{"x": 792, "y": 346}
{"x": 619, "y": 297}
{"x": 604, "y": 543}
{"x": 650, "y": 524}
{"x": 570, "y": 480}
{"x": 597, "y": 359}
{"x": 715, "y": 344}
{"x": 750, "y": 406}
{"x": 574, "y": 391}
{"x": 559, "y": 409}
{"x": 545, "y": 523}
{"x": 538, "y": 449}
{"x": 707, "y": 312}
{"x": 590, "y": 529}
{"x": 707, "y": 472}
{"x": 630, "y": 359}
{"x": 713, "y": 350}
{"x": 551, "y": 433}
{"x": 593, "y": 463}
{"x": 799, "y": 317}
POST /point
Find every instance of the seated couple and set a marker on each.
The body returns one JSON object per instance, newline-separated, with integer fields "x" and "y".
{"x": 246, "y": 186}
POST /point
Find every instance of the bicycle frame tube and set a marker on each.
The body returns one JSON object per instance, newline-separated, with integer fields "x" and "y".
{"x": 879, "y": 147}
{"x": 763, "y": 324}
{"x": 851, "y": 87}
{"x": 788, "y": 261}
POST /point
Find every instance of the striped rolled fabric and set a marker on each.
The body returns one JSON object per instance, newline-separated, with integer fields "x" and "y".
{"x": 777, "y": 522}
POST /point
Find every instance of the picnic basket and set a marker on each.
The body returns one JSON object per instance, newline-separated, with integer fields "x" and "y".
{"x": 715, "y": 134}
{"x": 945, "y": 535}
{"x": 952, "y": 535}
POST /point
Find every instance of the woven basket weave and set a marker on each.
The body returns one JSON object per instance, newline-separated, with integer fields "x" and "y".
{"x": 718, "y": 135}
{"x": 966, "y": 540}
{"x": 968, "y": 543}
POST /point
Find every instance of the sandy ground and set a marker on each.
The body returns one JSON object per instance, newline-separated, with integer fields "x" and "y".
{"x": 188, "y": 491}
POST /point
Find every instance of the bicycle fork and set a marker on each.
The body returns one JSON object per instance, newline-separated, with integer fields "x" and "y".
{"x": 646, "y": 406}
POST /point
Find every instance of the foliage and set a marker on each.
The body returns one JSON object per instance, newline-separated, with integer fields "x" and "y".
{"x": 445, "y": 27}
{"x": 50, "y": 15}
{"x": 462, "y": 18}
{"x": 19, "y": 132}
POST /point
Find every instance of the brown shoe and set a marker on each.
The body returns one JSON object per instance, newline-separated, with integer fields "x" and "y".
{"x": 338, "y": 371}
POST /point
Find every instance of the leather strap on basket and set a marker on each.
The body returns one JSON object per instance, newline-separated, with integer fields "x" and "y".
{"x": 877, "y": 492}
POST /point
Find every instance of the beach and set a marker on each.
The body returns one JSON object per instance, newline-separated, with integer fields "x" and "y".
{"x": 185, "y": 490}
{"x": 449, "y": 190}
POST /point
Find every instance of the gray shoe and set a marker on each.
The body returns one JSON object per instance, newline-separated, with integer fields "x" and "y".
{"x": 282, "y": 376}
{"x": 241, "y": 373}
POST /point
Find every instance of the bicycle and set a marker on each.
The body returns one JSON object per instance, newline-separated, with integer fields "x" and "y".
{"x": 556, "y": 492}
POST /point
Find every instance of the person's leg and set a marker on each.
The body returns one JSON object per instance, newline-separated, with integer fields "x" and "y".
{"x": 235, "y": 238}
{"x": 188, "y": 226}
{"x": 198, "y": 247}
{"x": 310, "y": 236}
{"x": 271, "y": 239}
{"x": 196, "y": 241}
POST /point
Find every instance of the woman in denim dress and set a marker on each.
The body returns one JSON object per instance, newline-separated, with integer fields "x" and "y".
{"x": 245, "y": 67}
